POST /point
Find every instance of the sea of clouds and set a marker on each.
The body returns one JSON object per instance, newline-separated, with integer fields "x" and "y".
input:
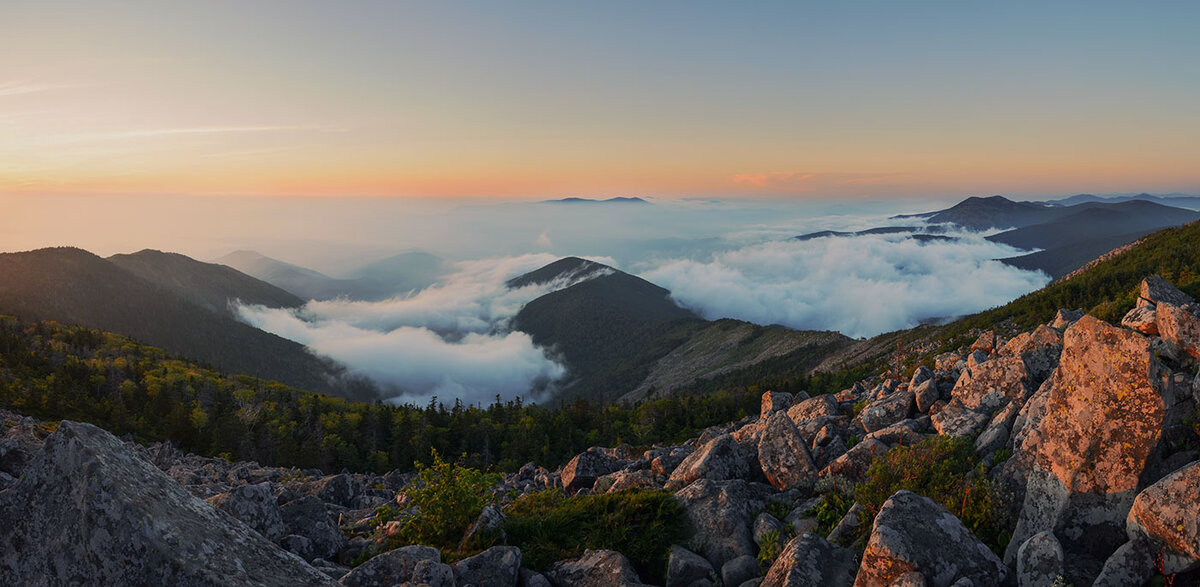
{"x": 860, "y": 286}
{"x": 451, "y": 340}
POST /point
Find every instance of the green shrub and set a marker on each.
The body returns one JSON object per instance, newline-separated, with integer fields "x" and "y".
{"x": 773, "y": 542}
{"x": 945, "y": 470}
{"x": 778, "y": 509}
{"x": 448, "y": 498}
{"x": 641, "y": 524}
{"x": 830, "y": 511}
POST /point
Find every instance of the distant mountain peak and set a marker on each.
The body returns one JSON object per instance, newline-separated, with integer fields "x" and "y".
{"x": 567, "y": 268}
{"x": 616, "y": 200}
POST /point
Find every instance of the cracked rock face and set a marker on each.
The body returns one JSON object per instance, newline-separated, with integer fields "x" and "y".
{"x": 88, "y": 510}
{"x": 1105, "y": 409}
{"x": 1103, "y": 416}
{"x": 784, "y": 454}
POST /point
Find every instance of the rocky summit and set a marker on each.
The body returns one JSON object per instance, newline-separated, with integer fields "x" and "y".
{"x": 1079, "y": 438}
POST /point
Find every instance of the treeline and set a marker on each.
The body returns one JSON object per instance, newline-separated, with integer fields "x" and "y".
{"x": 53, "y": 371}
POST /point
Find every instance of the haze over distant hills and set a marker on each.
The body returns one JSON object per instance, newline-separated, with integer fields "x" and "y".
{"x": 395, "y": 275}
{"x": 1176, "y": 200}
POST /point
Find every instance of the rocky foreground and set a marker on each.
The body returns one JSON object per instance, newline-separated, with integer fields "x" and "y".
{"x": 1088, "y": 425}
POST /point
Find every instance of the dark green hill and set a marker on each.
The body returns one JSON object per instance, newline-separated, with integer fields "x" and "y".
{"x": 74, "y": 286}
{"x": 1060, "y": 261}
{"x": 622, "y": 336}
{"x": 1092, "y": 221}
{"x": 209, "y": 285}
{"x": 1092, "y": 230}
{"x": 609, "y": 329}
{"x": 1108, "y": 289}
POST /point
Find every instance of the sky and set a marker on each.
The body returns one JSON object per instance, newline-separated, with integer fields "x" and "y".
{"x": 537, "y": 99}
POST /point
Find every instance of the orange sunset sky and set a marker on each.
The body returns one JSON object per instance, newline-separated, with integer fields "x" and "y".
{"x": 546, "y": 99}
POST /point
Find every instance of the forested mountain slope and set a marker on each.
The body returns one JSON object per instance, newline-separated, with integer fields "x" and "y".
{"x": 76, "y": 287}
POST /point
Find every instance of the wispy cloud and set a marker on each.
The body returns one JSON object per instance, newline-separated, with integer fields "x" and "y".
{"x": 25, "y": 87}
{"x": 191, "y": 130}
{"x": 248, "y": 152}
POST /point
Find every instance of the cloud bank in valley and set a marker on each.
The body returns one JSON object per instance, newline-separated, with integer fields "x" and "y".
{"x": 450, "y": 340}
{"x": 860, "y": 286}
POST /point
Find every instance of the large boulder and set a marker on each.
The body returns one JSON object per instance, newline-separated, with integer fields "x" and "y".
{"x": 408, "y": 564}
{"x": 720, "y": 514}
{"x": 915, "y": 533}
{"x": 784, "y": 455}
{"x": 1168, "y": 513}
{"x": 686, "y": 568}
{"x": 341, "y": 490}
{"x": 255, "y": 506}
{"x": 1039, "y": 350}
{"x": 583, "y": 470}
{"x": 995, "y": 435}
{"x": 596, "y": 568}
{"x": 774, "y": 401}
{"x": 1155, "y": 290}
{"x": 895, "y": 407}
{"x": 666, "y": 460}
{"x": 850, "y": 468}
{"x": 624, "y": 481}
{"x": 1103, "y": 417}
{"x": 989, "y": 386}
{"x": 1179, "y": 326}
{"x": 1039, "y": 561}
{"x": 739, "y": 570}
{"x": 926, "y": 394}
{"x": 957, "y": 420}
{"x": 1065, "y": 318}
{"x": 811, "y": 561}
{"x": 986, "y": 342}
{"x": 1143, "y": 319}
{"x": 19, "y": 445}
{"x": 89, "y": 511}
{"x": 498, "y": 566}
{"x": 813, "y": 408}
{"x": 721, "y": 459}
{"x": 307, "y": 517}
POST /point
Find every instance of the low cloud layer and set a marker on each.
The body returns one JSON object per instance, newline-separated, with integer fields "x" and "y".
{"x": 451, "y": 340}
{"x": 860, "y": 286}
